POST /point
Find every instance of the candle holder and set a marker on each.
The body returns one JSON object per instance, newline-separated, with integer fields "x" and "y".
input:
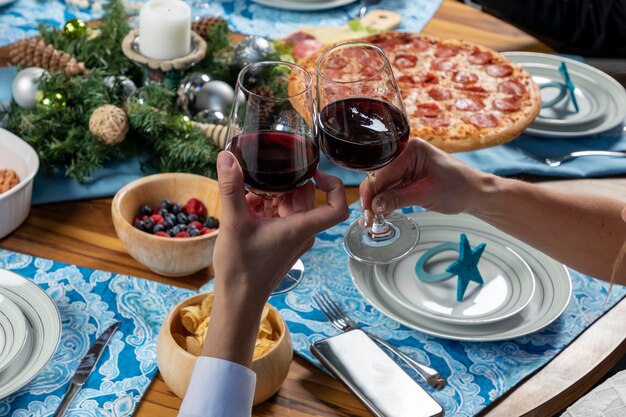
{"x": 163, "y": 71}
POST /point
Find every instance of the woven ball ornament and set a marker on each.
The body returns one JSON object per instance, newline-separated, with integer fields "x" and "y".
{"x": 109, "y": 123}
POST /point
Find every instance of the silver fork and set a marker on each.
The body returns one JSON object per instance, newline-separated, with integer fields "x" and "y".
{"x": 557, "y": 161}
{"x": 343, "y": 323}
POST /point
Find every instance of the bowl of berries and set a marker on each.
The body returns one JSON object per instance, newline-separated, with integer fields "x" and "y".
{"x": 169, "y": 222}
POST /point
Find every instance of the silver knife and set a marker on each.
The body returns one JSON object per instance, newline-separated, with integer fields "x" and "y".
{"x": 87, "y": 365}
{"x": 365, "y": 4}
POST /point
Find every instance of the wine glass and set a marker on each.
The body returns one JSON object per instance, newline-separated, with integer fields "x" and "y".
{"x": 363, "y": 126}
{"x": 272, "y": 134}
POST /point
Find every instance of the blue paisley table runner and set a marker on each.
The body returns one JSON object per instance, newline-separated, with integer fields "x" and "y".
{"x": 477, "y": 373}
{"x": 20, "y": 19}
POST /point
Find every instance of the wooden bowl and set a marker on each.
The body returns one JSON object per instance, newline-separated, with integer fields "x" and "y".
{"x": 176, "y": 364}
{"x": 172, "y": 257}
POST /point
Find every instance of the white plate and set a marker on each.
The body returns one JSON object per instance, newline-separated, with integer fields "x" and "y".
{"x": 44, "y": 323}
{"x": 601, "y": 98}
{"x": 508, "y": 287}
{"x": 13, "y": 331}
{"x": 552, "y": 293}
{"x": 308, "y": 6}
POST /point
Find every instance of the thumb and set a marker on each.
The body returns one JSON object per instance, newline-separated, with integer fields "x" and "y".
{"x": 230, "y": 179}
{"x": 388, "y": 201}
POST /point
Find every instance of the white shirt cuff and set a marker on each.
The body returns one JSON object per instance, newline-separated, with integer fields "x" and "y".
{"x": 219, "y": 388}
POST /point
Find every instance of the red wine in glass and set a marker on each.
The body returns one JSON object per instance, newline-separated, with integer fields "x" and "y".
{"x": 273, "y": 161}
{"x": 362, "y": 133}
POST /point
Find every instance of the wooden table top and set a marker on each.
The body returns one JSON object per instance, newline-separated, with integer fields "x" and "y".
{"x": 82, "y": 233}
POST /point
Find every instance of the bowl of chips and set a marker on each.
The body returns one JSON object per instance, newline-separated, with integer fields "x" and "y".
{"x": 182, "y": 335}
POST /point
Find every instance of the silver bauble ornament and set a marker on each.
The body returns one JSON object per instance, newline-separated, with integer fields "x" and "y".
{"x": 251, "y": 49}
{"x": 216, "y": 95}
{"x": 24, "y": 87}
{"x": 190, "y": 97}
{"x": 120, "y": 83}
{"x": 212, "y": 116}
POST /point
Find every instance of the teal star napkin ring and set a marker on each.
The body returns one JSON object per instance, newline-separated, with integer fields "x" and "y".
{"x": 465, "y": 267}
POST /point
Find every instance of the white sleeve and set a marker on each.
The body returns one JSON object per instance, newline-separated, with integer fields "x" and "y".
{"x": 219, "y": 388}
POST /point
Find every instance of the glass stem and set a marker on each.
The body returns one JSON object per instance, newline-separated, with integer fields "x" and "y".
{"x": 380, "y": 229}
{"x": 268, "y": 207}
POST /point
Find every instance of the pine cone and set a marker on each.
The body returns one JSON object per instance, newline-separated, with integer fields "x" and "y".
{"x": 264, "y": 107}
{"x": 36, "y": 53}
{"x": 201, "y": 27}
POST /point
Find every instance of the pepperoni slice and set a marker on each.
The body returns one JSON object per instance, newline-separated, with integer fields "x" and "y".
{"x": 483, "y": 120}
{"x": 469, "y": 104}
{"x": 427, "y": 110}
{"x": 480, "y": 58}
{"x": 439, "y": 94}
{"x": 408, "y": 80}
{"x": 417, "y": 45}
{"x": 434, "y": 121}
{"x": 405, "y": 61}
{"x": 431, "y": 78}
{"x": 499, "y": 70}
{"x": 476, "y": 89}
{"x": 442, "y": 65}
{"x": 465, "y": 77}
{"x": 386, "y": 43}
{"x": 512, "y": 87}
{"x": 446, "y": 51}
{"x": 508, "y": 104}
{"x": 336, "y": 62}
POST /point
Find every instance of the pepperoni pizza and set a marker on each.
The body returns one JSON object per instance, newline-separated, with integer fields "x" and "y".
{"x": 458, "y": 96}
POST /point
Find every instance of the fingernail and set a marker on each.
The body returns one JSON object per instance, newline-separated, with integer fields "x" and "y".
{"x": 379, "y": 204}
{"x": 362, "y": 203}
{"x": 225, "y": 160}
{"x": 366, "y": 217}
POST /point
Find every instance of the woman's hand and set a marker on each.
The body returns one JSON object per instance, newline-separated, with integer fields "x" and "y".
{"x": 426, "y": 176}
{"x": 254, "y": 251}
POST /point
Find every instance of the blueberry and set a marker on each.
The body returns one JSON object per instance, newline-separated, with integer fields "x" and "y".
{"x": 193, "y": 232}
{"x": 140, "y": 225}
{"x": 171, "y": 217}
{"x": 176, "y": 208}
{"x": 158, "y": 228}
{"x": 167, "y": 205}
{"x": 171, "y": 232}
{"x": 168, "y": 224}
{"x": 145, "y": 210}
{"x": 149, "y": 223}
{"x": 182, "y": 218}
{"x": 163, "y": 212}
{"x": 178, "y": 228}
{"x": 192, "y": 218}
{"x": 212, "y": 223}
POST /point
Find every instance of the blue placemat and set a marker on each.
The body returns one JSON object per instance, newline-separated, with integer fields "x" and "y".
{"x": 477, "y": 373}
{"x": 20, "y": 19}
{"x": 89, "y": 302}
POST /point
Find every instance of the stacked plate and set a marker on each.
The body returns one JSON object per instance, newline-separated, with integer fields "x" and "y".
{"x": 523, "y": 291}
{"x": 601, "y": 99}
{"x": 304, "y": 5}
{"x": 30, "y": 330}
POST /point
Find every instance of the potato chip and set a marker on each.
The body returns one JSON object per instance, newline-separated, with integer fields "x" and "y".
{"x": 195, "y": 320}
{"x": 190, "y": 318}
{"x": 194, "y": 345}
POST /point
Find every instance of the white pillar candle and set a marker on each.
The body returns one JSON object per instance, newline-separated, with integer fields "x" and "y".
{"x": 165, "y": 29}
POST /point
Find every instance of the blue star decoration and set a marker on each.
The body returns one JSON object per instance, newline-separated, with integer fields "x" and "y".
{"x": 466, "y": 267}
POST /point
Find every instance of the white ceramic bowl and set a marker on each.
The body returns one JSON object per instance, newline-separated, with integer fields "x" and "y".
{"x": 17, "y": 155}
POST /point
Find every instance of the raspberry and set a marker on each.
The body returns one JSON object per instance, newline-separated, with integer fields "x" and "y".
{"x": 196, "y": 224}
{"x": 206, "y": 231}
{"x": 182, "y": 234}
{"x": 156, "y": 209}
{"x": 162, "y": 234}
{"x": 195, "y": 206}
{"x": 156, "y": 218}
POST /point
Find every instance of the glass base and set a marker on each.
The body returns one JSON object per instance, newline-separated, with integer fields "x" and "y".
{"x": 291, "y": 280}
{"x": 360, "y": 245}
